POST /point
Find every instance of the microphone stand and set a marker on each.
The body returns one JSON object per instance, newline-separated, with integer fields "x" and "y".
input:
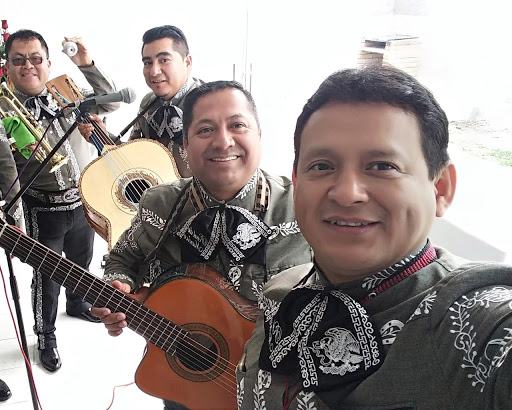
{"x": 140, "y": 114}
{"x": 12, "y": 278}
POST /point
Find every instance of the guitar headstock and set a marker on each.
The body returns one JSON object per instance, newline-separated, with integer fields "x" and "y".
{"x": 64, "y": 90}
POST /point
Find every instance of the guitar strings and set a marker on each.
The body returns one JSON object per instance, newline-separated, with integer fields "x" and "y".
{"x": 116, "y": 161}
{"x": 105, "y": 139}
{"x": 225, "y": 381}
{"x": 221, "y": 377}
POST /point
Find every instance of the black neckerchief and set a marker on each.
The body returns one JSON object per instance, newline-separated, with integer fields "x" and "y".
{"x": 327, "y": 336}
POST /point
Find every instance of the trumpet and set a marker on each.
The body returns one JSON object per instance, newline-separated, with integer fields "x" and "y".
{"x": 16, "y": 108}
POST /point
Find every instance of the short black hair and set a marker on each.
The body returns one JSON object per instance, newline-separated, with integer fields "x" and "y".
{"x": 387, "y": 85}
{"x": 25, "y": 35}
{"x": 208, "y": 88}
{"x": 177, "y": 36}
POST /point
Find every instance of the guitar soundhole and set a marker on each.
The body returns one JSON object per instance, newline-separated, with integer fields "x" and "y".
{"x": 130, "y": 186}
{"x": 197, "y": 353}
{"x": 201, "y": 355}
{"x": 135, "y": 189}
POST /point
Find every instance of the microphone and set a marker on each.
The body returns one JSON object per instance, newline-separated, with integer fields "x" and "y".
{"x": 126, "y": 95}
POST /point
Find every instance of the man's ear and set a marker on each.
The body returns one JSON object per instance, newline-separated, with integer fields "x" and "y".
{"x": 445, "y": 189}
{"x": 185, "y": 143}
{"x": 188, "y": 61}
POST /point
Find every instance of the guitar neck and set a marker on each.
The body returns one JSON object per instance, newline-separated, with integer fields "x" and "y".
{"x": 154, "y": 328}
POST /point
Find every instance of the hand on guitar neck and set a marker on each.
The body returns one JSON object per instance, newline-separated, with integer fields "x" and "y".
{"x": 115, "y": 322}
{"x": 90, "y": 125}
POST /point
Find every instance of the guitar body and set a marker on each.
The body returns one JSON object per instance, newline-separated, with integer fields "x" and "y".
{"x": 190, "y": 359}
{"x": 111, "y": 186}
{"x": 221, "y": 318}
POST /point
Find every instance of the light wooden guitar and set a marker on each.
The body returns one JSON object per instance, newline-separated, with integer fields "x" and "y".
{"x": 111, "y": 185}
{"x": 191, "y": 359}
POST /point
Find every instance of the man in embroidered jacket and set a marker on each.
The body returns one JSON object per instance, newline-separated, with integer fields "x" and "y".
{"x": 52, "y": 205}
{"x": 382, "y": 319}
{"x": 167, "y": 71}
{"x": 224, "y": 145}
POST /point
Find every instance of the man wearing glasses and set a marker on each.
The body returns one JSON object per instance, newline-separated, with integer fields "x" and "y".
{"x": 52, "y": 205}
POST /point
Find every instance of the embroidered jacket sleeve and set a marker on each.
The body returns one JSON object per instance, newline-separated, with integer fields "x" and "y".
{"x": 447, "y": 331}
{"x": 8, "y": 174}
{"x": 472, "y": 334}
{"x": 126, "y": 260}
{"x": 101, "y": 84}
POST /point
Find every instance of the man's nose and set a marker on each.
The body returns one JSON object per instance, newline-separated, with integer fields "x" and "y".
{"x": 349, "y": 188}
{"x": 223, "y": 139}
{"x": 27, "y": 63}
{"x": 155, "y": 69}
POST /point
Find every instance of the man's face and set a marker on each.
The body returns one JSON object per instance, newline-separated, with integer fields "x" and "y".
{"x": 224, "y": 144}
{"x": 363, "y": 198}
{"x": 28, "y": 78}
{"x": 165, "y": 70}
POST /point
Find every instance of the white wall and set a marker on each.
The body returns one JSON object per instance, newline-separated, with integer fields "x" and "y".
{"x": 288, "y": 47}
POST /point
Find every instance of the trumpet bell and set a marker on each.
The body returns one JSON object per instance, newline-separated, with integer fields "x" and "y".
{"x": 16, "y": 108}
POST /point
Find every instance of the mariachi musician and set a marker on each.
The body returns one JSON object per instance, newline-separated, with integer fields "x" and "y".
{"x": 167, "y": 67}
{"x": 52, "y": 206}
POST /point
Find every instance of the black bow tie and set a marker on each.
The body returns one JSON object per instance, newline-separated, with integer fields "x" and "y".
{"x": 167, "y": 125}
{"x": 325, "y": 336}
{"x": 241, "y": 233}
{"x": 39, "y": 105}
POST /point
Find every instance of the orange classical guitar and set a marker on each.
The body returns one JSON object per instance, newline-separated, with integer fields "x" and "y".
{"x": 191, "y": 359}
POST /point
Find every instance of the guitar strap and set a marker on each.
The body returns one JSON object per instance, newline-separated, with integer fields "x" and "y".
{"x": 170, "y": 224}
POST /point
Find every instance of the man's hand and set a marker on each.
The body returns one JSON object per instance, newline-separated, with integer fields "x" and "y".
{"x": 114, "y": 322}
{"x": 86, "y": 129}
{"x": 82, "y": 57}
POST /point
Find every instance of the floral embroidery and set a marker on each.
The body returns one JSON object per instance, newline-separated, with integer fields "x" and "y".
{"x": 111, "y": 277}
{"x": 284, "y": 229}
{"x": 425, "y": 306}
{"x": 390, "y": 330}
{"x": 480, "y": 368}
{"x": 262, "y": 384}
{"x": 268, "y": 306}
{"x": 240, "y": 392}
{"x": 153, "y": 219}
{"x": 304, "y": 401}
{"x": 129, "y": 242}
{"x": 234, "y": 274}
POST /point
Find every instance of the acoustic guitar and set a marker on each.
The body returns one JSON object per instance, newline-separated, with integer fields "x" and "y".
{"x": 189, "y": 360}
{"x": 112, "y": 185}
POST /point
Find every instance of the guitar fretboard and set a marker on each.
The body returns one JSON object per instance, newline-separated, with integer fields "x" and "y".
{"x": 153, "y": 327}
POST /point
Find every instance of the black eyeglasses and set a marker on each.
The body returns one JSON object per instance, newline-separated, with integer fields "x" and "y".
{"x": 19, "y": 61}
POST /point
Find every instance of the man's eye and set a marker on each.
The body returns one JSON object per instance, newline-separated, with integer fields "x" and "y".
{"x": 165, "y": 60}
{"x": 146, "y": 63}
{"x": 382, "y": 166}
{"x": 320, "y": 167}
{"x": 205, "y": 130}
{"x": 238, "y": 125}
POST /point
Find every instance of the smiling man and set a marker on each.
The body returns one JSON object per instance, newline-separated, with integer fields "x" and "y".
{"x": 167, "y": 66}
{"x": 382, "y": 319}
{"x": 52, "y": 204}
{"x": 231, "y": 215}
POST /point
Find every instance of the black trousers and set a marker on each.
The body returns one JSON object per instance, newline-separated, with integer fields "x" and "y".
{"x": 62, "y": 228}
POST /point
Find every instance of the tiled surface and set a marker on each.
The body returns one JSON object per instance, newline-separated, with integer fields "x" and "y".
{"x": 93, "y": 363}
